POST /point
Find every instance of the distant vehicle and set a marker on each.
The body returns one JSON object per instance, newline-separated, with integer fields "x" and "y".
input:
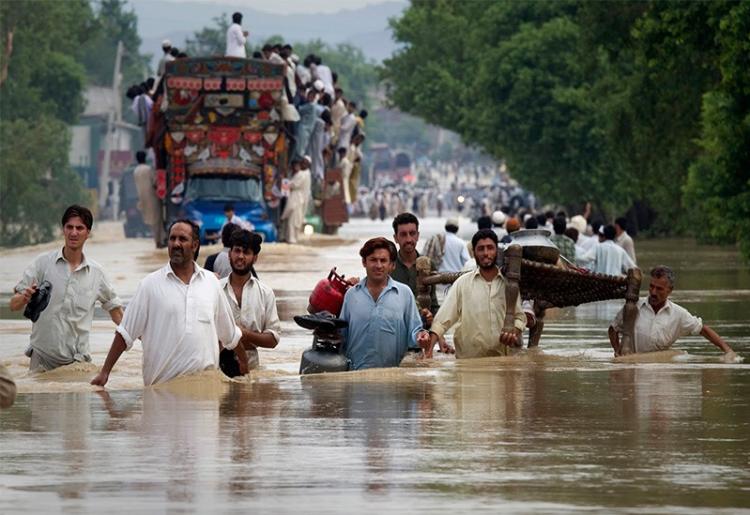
{"x": 133, "y": 224}
{"x": 389, "y": 166}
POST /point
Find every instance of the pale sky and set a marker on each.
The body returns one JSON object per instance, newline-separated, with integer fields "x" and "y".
{"x": 291, "y": 6}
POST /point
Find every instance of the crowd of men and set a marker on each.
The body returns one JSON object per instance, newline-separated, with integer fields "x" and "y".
{"x": 188, "y": 319}
{"x": 326, "y": 128}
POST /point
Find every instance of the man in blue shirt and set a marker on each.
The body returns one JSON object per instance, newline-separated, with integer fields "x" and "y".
{"x": 382, "y": 313}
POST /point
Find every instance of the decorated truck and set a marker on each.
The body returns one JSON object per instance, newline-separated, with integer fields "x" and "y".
{"x": 219, "y": 139}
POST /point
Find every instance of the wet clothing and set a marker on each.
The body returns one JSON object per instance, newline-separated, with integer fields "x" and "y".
{"x": 236, "y": 41}
{"x": 454, "y": 254}
{"x": 221, "y": 265}
{"x": 658, "y": 331}
{"x": 566, "y": 245}
{"x": 626, "y": 242}
{"x": 258, "y": 312}
{"x": 408, "y": 276}
{"x": 479, "y": 306}
{"x": 7, "y": 388}
{"x": 609, "y": 258}
{"x": 148, "y": 203}
{"x": 379, "y": 332}
{"x": 61, "y": 334}
{"x": 180, "y": 325}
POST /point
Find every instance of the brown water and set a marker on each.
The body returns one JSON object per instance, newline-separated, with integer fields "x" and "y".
{"x": 566, "y": 429}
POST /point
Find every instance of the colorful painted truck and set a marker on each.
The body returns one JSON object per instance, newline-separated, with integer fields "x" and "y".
{"x": 218, "y": 138}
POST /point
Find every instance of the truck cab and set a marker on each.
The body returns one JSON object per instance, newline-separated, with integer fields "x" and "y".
{"x": 206, "y": 196}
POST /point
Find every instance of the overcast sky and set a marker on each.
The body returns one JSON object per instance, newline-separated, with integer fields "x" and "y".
{"x": 291, "y": 6}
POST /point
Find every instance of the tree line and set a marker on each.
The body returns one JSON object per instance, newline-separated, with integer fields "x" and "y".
{"x": 621, "y": 103}
{"x": 49, "y": 51}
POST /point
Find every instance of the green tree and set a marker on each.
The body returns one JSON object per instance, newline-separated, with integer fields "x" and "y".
{"x": 41, "y": 84}
{"x": 209, "y": 41}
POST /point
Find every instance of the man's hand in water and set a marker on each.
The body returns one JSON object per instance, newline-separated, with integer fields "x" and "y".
{"x": 426, "y": 341}
{"x": 510, "y": 338}
{"x": 444, "y": 347}
{"x": 100, "y": 379}
{"x": 731, "y": 357}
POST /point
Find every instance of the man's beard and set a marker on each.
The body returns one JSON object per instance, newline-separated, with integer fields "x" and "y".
{"x": 241, "y": 271}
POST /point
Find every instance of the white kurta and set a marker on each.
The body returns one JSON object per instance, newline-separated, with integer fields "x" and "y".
{"x": 658, "y": 331}
{"x": 236, "y": 41}
{"x": 296, "y": 206}
{"x": 180, "y": 325}
{"x": 258, "y": 311}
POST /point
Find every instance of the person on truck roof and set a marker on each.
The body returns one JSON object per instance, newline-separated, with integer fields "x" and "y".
{"x": 236, "y": 38}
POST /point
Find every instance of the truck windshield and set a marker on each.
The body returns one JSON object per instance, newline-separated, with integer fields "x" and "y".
{"x": 238, "y": 189}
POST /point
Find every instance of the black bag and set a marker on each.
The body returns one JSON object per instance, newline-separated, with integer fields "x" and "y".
{"x": 38, "y": 302}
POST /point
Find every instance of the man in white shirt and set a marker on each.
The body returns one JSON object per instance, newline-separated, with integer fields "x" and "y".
{"x": 322, "y": 72}
{"x": 623, "y": 239}
{"x": 455, "y": 253}
{"x": 348, "y": 123}
{"x": 236, "y": 38}
{"x": 60, "y": 334}
{"x": 233, "y": 218}
{"x": 179, "y": 313}
{"x": 661, "y": 322}
{"x": 253, "y": 305}
{"x": 608, "y": 257}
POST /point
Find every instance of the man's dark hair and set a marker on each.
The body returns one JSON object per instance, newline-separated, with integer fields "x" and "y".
{"x": 595, "y": 226}
{"x": 174, "y": 51}
{"x": 549, "y": 214}
{"x": 226, "y": 234}
{"x": 622, "y": 222}
{"x": 334, "y": 77}
{"x": 342, "y": 151}
{"x": 363, "y": 114}
{"x": 317, "y": 60}
{"x": 660, "y": 271}
{"x": 338, "y": 91}
{"x": 245, "y": 240}
{"x": 83, "y": 213}
{"x": 558, "y": 224}
{"x": 609, "y": 232}
{"x": 374, "y": 244}
{"x": 541, "y": 219}
{"x": 481, "y": 235}
{"x": 195, "y": 231}
{"x": 237, "y": 17}
{"x": 531, "y": 223}
{"x": 326, "y": 116}
{"x": 451, "y": 228}
{"x": 287, "y": 46}
{"x": 257, "y": 55}
{"x": 228, "y": 207}
{"x": 267, "y": 48}
{"x": 562, "y": 213}
{"x": 572, "y": 233}
{"x": 140, "y": 157}
{"x": 403, "y": 219}
{"x": 484, "y": 222}
{"x": 325, "y": 99}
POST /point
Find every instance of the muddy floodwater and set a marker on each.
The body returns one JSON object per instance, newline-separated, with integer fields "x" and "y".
{"x": 562, "y": 429}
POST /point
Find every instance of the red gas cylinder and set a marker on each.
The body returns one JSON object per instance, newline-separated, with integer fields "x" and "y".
{"x": 328, "y": 294}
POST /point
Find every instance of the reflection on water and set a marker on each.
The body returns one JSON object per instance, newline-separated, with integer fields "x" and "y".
{"x": 507, "y": 432}
{"x": 563, "y": 430}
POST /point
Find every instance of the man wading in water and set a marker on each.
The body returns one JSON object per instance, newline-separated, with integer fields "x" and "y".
{"x": 60, "y": 336}
{"x": 382, "y": 313}
{"x": 177, "y": 312}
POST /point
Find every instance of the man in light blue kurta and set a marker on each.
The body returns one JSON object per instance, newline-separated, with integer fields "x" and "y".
{"x": 380, "y": 331}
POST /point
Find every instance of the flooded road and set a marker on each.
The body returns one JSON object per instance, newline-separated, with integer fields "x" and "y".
{"x": 567, "y": 429}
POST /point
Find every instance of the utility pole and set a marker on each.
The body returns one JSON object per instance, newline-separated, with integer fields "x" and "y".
{"x": 114, "y": 115}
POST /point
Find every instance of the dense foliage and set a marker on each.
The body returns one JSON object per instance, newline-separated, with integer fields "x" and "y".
{"x": 49, "y": 50}
{"x": 621, "y": 103}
